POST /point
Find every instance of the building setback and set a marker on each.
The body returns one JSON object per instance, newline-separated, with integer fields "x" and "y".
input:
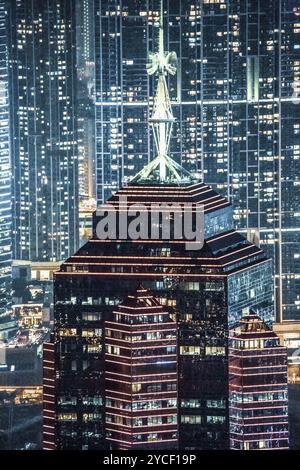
{"x": 258, "y": 393}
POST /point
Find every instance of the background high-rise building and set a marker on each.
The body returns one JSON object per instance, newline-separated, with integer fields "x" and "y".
{"x": 237, "y": 113}
{"x": 42, "y": 59}
{"x": 85, "y": 114}
{"x": 5, "y": 172}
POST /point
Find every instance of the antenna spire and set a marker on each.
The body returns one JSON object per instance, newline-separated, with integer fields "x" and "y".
{"x": 162, "y": 118}
{"x": 161, "y": 29}
{"x": 161, "y": 63}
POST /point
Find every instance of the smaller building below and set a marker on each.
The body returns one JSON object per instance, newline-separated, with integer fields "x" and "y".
{"x": 258, "y": 395}
{"x": 141, "y": 375}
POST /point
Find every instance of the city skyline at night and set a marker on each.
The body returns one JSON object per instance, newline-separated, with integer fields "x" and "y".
{"x": 149, "y": 225}
{"x": 101, "y": 363}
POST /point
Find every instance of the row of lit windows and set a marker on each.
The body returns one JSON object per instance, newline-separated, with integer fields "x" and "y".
{"x": 252, "y": 397}
{"x": 196, "y": 350}
{"x": 196, "y": 403}
{"x": 151, "y": 404}
{"x": 86, "y": 417}
{"x": 195, "y": 419}
{"x": 255, "y": 343}
{"x": 151, "y": 336}
{"x": 86, "y": 400}
{"x": 85, "y": 332}
{"x": 136, "y": 422}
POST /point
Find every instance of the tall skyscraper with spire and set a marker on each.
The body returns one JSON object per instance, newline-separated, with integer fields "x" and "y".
{"x": 101, "y": 309}
{"x": 237, "y": 111}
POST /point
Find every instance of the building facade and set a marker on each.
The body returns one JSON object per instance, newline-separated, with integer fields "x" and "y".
{"x": 236, "y": 103}
{"x": 141, "y": 375}
{"x": 207, "y": 290}
{"x": 258, "y": 392}
{"x": 42, "y": 73}
{"x": 5, "y": 172}
{"x": 85, "y": 47}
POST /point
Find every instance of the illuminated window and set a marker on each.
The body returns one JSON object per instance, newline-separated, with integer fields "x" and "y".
{"x": 154, "y": 420}
{"x": 91, "y": 316}
{"x": 67, "y": 416}
{"x": 67, "y": 331}
{"x": 190, "y": 350}
{"x": 192, "y": 403}
{"x": 215, "y": 419}
{"x": 136, "y": 387}
{"x": 262, "y": 444}
{"x": 91, "y": 417}
{"x": 94, "y": 348}
{"x": 135, "y": 338}
{"x": 154, "y": 388}
{"x": 187, "y": 317}
{"x": 91, "y": 332}
{"x": 215, "y": 351}
{"x": 190, "y": 419}
{"x": 64, "y": 400}
{"x": 95, "y": 400}
{"x": 215, "y": 403}
{"x": 113, "y": 350}
{"x": 152, "y": 437}
{"x": 191, "y": 286}
{"x": 45, "y": 275}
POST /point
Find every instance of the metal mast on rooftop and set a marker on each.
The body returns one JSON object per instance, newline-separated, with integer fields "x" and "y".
{"x": 162, "y": 118}
{"x": 162, "y": 167}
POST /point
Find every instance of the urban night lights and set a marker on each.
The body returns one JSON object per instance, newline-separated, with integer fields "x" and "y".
{"x": 149, "y": 232}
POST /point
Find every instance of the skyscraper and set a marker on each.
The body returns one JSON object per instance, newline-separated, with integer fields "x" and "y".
{"x": 5, "y": 172}
{"x": 85, "y": 114}
{"x": 42, "y": 58}
{"x": 257, "y": 387}
{"x": 141, "y": 374}
{"x": 237, "y": 108}
{"x": 207, "y": 290}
